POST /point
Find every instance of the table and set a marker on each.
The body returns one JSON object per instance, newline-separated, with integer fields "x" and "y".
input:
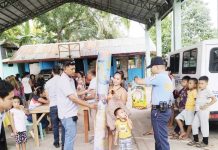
{"x": 86, "y": 123}
{"x": 44, "y": 109}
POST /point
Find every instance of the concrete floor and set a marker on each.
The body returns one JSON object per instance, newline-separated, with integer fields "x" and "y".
{"x": 141, "y": 122}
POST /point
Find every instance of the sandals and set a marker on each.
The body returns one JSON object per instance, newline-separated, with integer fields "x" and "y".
{"x": 201, "y": 145}
{"x": 148, "y": 133}
{"x": 193, "y": 143}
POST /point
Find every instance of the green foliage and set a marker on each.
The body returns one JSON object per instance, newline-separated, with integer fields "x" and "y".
{"x": 195, "y": 25}
{"x": 69, "y": 22}
{"x": 166, "y": 34}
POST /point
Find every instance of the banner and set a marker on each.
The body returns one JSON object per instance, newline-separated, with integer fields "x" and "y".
{"x": 103, "y": 79}
{"x": 139, "y": 97}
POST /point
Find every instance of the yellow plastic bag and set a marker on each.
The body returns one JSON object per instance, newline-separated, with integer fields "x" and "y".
{"x": 139, "y": 97}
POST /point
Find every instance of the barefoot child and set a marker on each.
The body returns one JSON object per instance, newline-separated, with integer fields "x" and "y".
{"x": 187, "y": 115}
{"x": 123, "y": 130}
{"x": 18, "y": 119}
{"x": 204, "y": 100}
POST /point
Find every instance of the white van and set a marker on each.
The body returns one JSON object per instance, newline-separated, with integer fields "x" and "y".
{"x": 195, "y": 61}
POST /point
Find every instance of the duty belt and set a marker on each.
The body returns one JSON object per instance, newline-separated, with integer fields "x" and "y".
{"x": 155, "y": 107}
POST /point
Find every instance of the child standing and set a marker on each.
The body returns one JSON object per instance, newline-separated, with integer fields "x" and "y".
{"x": 123, "y": 130}
{"x": 204, "y": 100}
{"x": 187, "y": 115}
{"x": 181, "y": 99}
{"x": 18, "y": 119}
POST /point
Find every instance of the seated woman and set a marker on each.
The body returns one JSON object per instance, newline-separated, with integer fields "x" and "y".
{"x": 38, "y": 99}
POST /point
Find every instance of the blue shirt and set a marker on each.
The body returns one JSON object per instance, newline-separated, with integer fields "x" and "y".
{"x": 162, "y": 88}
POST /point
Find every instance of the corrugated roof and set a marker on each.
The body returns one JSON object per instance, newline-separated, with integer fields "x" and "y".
{"x": 14, "y": 12}
{"x": 60, "y": 51}
{"x": 7, "y": 44}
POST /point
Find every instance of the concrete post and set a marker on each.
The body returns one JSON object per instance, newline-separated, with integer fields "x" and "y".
{"x": 147, "y": 45}
{"x": 172, "y": 34}
{"x": 1, "y": 64}
{"x": 177, "y": 24}
{"x": 158, "y": 35}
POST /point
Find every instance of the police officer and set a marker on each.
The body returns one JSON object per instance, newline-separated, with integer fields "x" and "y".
{"x": 162, "y": 88}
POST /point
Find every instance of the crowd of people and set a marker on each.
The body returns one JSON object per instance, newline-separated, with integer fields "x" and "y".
{"x": 67, "y": 89}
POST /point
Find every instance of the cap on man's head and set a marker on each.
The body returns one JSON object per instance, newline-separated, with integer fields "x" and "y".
{"x": 156, "y": 61}
{"x": 69, "y": 63}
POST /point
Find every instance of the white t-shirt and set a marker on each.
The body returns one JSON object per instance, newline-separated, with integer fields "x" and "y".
{"x": 65, "y": 88}
{"x": 93, "y": 86}
{"x": 19, "y": 119}
{"x": 51, "y": 88}
{"x": 26, "y": 85}
{"x": 202, "y": 98}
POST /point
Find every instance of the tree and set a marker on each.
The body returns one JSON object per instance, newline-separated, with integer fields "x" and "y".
{"x": 195, "y": 25}
{"x": 69, "y": 22}
{"x": 22, "y": 34}
{"x": 166, "y": 34}
{"x": 72, "y": 22}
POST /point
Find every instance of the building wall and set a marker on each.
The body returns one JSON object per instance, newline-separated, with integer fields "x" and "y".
{"x": 124, "y": 65}
{"x": 46, "y": 65}
{"x": 10, "y": 70}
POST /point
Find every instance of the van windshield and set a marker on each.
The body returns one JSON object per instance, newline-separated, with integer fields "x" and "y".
{"x": 213, "y": 66}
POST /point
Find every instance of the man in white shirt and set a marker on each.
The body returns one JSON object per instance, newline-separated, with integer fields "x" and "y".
{"x": 67, "y": 102}
{"x": 51, "y": 91}
{"x": 27, "y": 88}
{"x": 91, "y": 92}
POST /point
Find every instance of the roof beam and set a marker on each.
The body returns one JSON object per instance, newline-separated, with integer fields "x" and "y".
{"x": 6, "y": 3}
{"x": 32, "y": 4}
{"x": 40, "y": 2}
{"x": 5, "y": 20}
{"x": 7, "y": 15}
{"x": 40, "y": 11}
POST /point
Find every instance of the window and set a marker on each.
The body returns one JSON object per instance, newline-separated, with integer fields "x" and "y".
{"x": 213, "y": 66}
{"x": 10, "y": 65}
{"x": 118, "y": 64}
{"x": 174, "y": 63}
{"x": 189, "y": 64}
{"x": 135, "y": 62}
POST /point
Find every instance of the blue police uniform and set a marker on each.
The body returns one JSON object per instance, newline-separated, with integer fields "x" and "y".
{"x": 162, "y": 90}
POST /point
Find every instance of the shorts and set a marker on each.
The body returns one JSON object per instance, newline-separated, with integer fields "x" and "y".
{"x": 21, "y": 137}
{"x": 125, "y": 144}
{"x": 187, "y": 116}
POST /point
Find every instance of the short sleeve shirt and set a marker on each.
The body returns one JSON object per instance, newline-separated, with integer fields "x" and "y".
{"x": 26, "y": 85}
{"x": 65, "y": 88}
{"x": 182, "y": 98}
{"x": 190, "y": 103}
{"x": 93, "y": 86}
{"x": 162, "y": 88}
{"x": 51, "y": 88}
{"x": 203, "y": 98}
{"x": 123, "y": 129}
{"x": 19, "y": 119}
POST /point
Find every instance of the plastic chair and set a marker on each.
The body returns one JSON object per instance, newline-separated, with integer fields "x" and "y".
{"x": 42, "y": 132}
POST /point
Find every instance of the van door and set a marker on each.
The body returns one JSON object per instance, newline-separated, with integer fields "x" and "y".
{"x": 212, "y": 73}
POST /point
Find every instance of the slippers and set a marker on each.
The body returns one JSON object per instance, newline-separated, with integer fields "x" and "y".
{"x": 175, "y": 137}
{"x": 148, "y": 133}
